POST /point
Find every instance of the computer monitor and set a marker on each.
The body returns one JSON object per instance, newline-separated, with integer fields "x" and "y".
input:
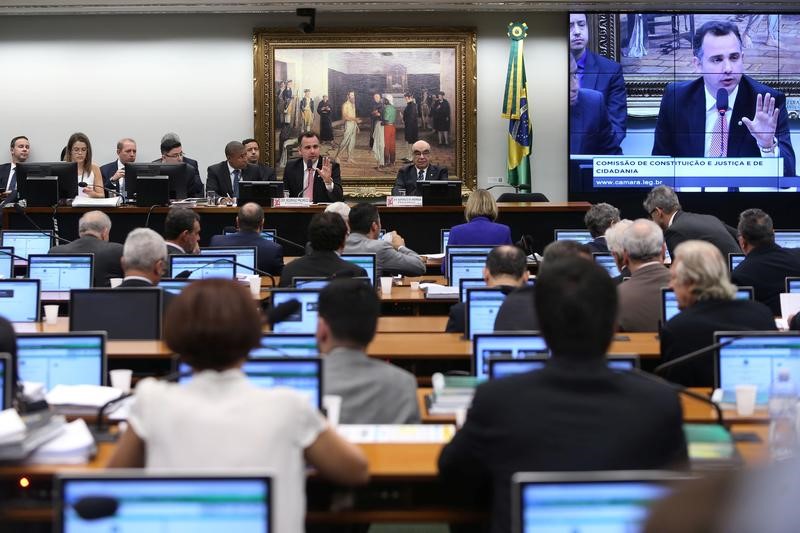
{"x": 6, "y": 262}
{"x": 501, "y": 367}
{"x": 587, "y": 501}
{"x": 792, "y": 284}
{"x": 755, "y": 358}
{"x": 156, "y": 183}
{"x": 174, "y": 286}
{"x": 20, "y": 300}
{"x": 669, "y": 302}
{"x": 304, "y": 320}
{"x": 62, "y": 358}
{"x": 309, "y": 282}
{"x": 518, "y": 345}
{"x": 481, "y": 307}
{"x": 268, "y": 234}
{"x": 141, "y": 500}
{"x": 580, "y": 235}
{"x": 246, "y": 255}
{"x": 366, "y": 261}
{"x": 60, "y": 273}
{"x": 286, "y": 345}
{"x": 464, "y": 266}
{"x": 6, "y": 381}
{"x": 440, "y": 192}
{"x": 26, "y": 242}
{"x": 46, "y": 184}
{"x": 606, "y": 260}
{"x": 202, "y": 266}
{"x": 464, "y": 249}
{"x": 787, "y": 238}
{"x": 734, "y": 260}
{"x": 476, "y": 283}
{"x": 444, "y": 237}
{"x": 260, "y": 192}
{"x": 133, "y": 313}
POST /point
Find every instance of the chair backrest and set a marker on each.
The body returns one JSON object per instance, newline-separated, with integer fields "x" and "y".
{"x": 522, "y": 197}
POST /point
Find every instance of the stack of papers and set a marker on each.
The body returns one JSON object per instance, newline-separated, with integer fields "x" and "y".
{"x": 113, "y": 201}
{"x": 75, "y": 445}
{"x": 18, "y": 437}
{"x": 12, "y": 428}
{"x": 434, "y": 290}
{"x": 81, "y": 399}
{"x": 454, "y": 395}
{"x": 397, "y": 433}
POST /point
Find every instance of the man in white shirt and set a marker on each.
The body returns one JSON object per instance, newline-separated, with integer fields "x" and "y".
{"x": 20, "y": 150}
{"x": 114, "y": 172}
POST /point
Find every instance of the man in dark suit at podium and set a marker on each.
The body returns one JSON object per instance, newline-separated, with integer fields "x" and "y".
{"x": 311, "y": 176}
{"x": 419, "y": 170}
{"x": 114, "y": 172}
{"x": 20, "y": 149}
{"x": 224, "y": 177}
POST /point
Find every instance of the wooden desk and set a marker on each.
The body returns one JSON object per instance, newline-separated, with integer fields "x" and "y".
{"x": 412, "y": 324}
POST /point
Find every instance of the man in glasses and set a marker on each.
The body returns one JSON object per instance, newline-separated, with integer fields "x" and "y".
{"x": 420, "y": 170}
{"x": 172, "y": 153}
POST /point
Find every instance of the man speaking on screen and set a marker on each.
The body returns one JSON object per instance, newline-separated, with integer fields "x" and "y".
{"x": 724, "y": 113}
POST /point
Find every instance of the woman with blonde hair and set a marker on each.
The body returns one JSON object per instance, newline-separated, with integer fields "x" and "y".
{"x": 79, "y": 150}
{"x": 481, "y": 213}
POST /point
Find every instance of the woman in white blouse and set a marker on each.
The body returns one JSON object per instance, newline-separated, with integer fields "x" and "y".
{"x": 219, "y": 420}
{"x": 79, "y": 150}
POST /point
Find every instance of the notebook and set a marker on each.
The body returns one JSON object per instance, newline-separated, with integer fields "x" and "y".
{"x": 304, "y": 320}
{"x": 606, "y": 260}
{"x": 26, "y": 242}
{"x": 124, "y": 313}
{"x": 734, "y": 260}
{"x": 481, "y": 307}
{"x": 787, "y": 238}
{"x": 245, "y": 255}
{"x": 6, "y": 262}
{"x": 203, "y": 267}
{"x": 476, "y": 283}
{"x": 60, "y": 273}
{"x": 62, "y": 358}
{"x": 366, "y": 261}
{"x": 463, "y": 265}
{"x": 20, "y": 300}
{"x": 521, "y": 345}
{"x": 580, "y": 235}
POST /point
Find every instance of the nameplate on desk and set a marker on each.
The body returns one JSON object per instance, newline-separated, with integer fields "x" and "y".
{"x": 404, "y": 201}
{"x": 397, "y": 433}
{"x": 291, "y": 202}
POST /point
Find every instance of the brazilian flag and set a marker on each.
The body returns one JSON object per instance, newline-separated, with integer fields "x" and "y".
{"x": 515, "y": 109}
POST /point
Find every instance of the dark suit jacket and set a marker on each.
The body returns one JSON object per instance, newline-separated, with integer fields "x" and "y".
{"x": 135, "y": 283}
{"x": 578, "y": 415}
{"x": 108, "y": 170}
{"x": 598, "y": 245}
{"x": 107, "y": 256}
{"x": 5, "y": 170}
{"x": 322, "y": 265}
{"x": 687, "y": 226}
{"x": 407, "y": 178}
{"x": 640, "y": 299}
{"x": 174, "y": 249}
{"x": 590, "y": 130}
{"x": 681, "y": 125}
{"x": 194, "y": 185}
{"x": 517, "y": 312}
{"x": 604, "y": 75}
{"x": 219, "y": 179}
{"x": 694, "y": 328}
{"x": 270, "y": 254}
{"x": 765, "y": 269}
{"x": 294, "y": 175}
{"x": 267, "y": 173}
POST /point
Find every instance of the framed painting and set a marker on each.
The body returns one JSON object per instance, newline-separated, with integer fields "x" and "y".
{"x": 369, "y": 94}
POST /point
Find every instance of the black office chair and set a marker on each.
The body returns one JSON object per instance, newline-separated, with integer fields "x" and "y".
{"x": 522, "y": 197}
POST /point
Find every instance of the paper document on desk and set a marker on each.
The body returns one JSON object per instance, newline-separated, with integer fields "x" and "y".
{"x": 75, "y": 445}
{"x": 434, "y": 290}
{"x": 12, "y": 428}
{"x": 397, "y": 433}
{"x": 114, "y": 201}
{"x": 81, "y": 399}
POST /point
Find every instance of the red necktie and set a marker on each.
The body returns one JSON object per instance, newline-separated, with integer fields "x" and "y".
{"x": 719, "y": 138}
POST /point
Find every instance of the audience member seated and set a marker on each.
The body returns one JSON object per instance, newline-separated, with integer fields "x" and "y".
{"x": 372, "y": 391}
{"x": 699, "y": 277}
{"x": 574, "y": 414}
{"x": 250, "y": 222}
{"x": 640, "y": 296}
{"x": 326, "y": 233}
{"x": 664, "y": 209}
{"x": 182, "y": 231}
{"x": 598, "y": 219}
{"x": 766, "y": 265}
{"x": 94, "y": 228}
{"x": 614, "y": 242}
{"x": 517, "y": 312}
{"x": 481, "y": 228}
{"x": 393, "y": 257}
{"x": 220, "y": 421}
{"x": 506, "y": 268}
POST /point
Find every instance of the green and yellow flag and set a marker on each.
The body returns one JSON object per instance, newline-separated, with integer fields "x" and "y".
{"x": 515, "y": 108}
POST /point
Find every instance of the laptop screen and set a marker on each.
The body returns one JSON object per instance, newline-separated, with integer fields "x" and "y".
{"x": 180, "y": 503}
{"x": 245, "y": 255}
{"x": 365, "y": 261}
{"x": 734, "y": 260}
{"x": 505, "y": 345}
{"x": 61, "y": 272}
{"x": 444, "y": 238}
{"x": 503, "y": 367}
{"x": 581, "y": 235}
{"x": 607, "y": 261}
{"x": 465, "y": 266}
{"x": 268, "y": 234}
{"x": 19, "y": 300}
{"x": 286, "y": 345}
{"x": 174, "y": 286}
{"x": 463, "y": 249}
{"x": 304, "y": 320}
{"x": 124, "y": 313}
{"x": 62, "y": 359}
{"x": 787, "y": 238}
{"x": 27, "y": 242}
{"x": 203, "y": 267}
{"x": 482, "y": 306}
{"x": 5, "y": 381}
{"x": 792, "y": 284}
{"x": 669, "y": 302}
{"x": 6, "y": 262}
{"x": 299, "y": 282}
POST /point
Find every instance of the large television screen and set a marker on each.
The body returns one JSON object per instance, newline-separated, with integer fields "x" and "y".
{"x": 701, "y": 102}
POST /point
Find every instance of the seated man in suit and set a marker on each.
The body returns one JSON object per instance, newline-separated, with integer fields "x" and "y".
{"x": 172, "y": 153}
{"x": 613, "y": 238}
{"x": 326, "y": 233}
{"x": 392, "y": 257}
{"x": 420, "y": 170}
{"x": 506, "y": 268}
{"x": 182, "y": 231}
{"x": 250, "y": 222}
{"x": 372, "y": 391}
{"x": 665, "y": 210}
{"x": 144, "y": 258}
{"x": 253, "y": 155}
{"x": 20, "y": 150}
{"x": 699, "y": 277}
{"x": 640, "y": 296}
{"x": 311, "y": 176}
{"x": 173, "y": 138}
{"x": 766, "y": 265}
{"x": 590, "y": 130}
{"x": 114, "y": 172}
{"x": 598, "y": 219}
{"x": 94, "y": 228}
{"x": 224, "y": 177}
{"x": 575, "y": 414}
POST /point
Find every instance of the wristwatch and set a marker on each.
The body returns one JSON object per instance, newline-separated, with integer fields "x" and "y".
{"x": 769, "y": 149}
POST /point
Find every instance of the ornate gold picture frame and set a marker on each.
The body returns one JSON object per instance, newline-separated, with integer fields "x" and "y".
{"x": 370, "y": 72}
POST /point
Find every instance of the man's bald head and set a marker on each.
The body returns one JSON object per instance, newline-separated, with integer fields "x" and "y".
{"x": 251, "y": 217}
{"x": 94, "y": 223}
{"x": 422, "y": 153}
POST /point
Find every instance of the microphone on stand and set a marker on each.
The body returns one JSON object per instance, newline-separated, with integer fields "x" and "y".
{"x": 185, "y": 274}
{"x": 106, "y": 189}
{"x": 693, "y": 355}
{"x": 680, "y": 389}
{"x": 517, "y": 188}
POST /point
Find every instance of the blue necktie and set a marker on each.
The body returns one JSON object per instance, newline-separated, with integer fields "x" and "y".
{"x": 421, "y": 176}
{"x": 236, "y": 183}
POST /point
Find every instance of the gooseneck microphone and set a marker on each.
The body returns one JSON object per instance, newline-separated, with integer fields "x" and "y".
{"x": 20, "y": 210}
{"x": 722, "y": 102}
{"x": 680, "y": 389}
{"x": 96, "y": 507}
{"x": 112, "y": 191}
{"x": 185, "y": 274}
{"x": 281, "y": 312}
{"x": 15, "y": 256}
{"x": 693, "y": 355}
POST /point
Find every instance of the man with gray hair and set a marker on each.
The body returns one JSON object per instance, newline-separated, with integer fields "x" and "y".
{"x": 224, "y": 177}
{"x": 598, "y": 219}
{"x": 144, "y": 258}
{"x": 640, "y": 296}
{"x": 94, "y": 228}
{"x": 614, "y": 242}
{"x": 663, "y": 208}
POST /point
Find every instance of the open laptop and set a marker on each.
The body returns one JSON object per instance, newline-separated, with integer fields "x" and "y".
{"x": 20, "y": 300}
{"x": 77, "y": 358}
{"x": 366, "y": 261}
{"x": 130, "y": 314}
{"x": 444, "y": 237}
{"x": 734, "y": 260}
{"x": 304, "y": 320}
{"x": 518, "y": 345}
{"x": 6, "y": 262}
{"x": 246, "y": 255}
{"x": 465, "y": 266}
{"x": 286, "y": 345}
{"x": 477, "y": 283}
{"x": 481, "y": 307}
{"x": 787, "y": 238}
{"x": 754, "y": 358}
{"x": 792, "y": 284}
{"x": 309, "y": 282}
{"x": 174, "y": 286}
{"x": 580, "y": 235}
{"x": 26, "y": 242}
{"x": 587, "y": 501}
{"x": 669, "y": 302}
{"x": 500, "y": 367}
{"x": 140, "y": 500}
{"x": 6, "y": 381}
{"x": 203, "y": 266}
{"x": 463, "y": 249}
{"x": 268, "y": 234}
{"x": 606, "y": 260}
{"x": 60, "y": 273}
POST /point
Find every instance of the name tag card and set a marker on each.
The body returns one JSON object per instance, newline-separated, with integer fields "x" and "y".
{"x": 291, "y": 202}
{"x": 404, "y": 201}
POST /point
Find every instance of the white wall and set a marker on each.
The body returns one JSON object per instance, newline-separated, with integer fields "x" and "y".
{"x": 141, "y": 76}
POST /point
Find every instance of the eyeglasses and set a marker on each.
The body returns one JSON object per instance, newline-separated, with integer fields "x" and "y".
{"x": 174, "y": 156}
{"x": 426, "y": 153}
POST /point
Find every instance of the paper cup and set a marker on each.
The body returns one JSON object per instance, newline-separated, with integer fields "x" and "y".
{"x": 386, "y": 285}
{"x": 51, "y": 314}
{"x": 115, "y": 282}
{"x": 333, "y": 406}
{"x": 255, "y": 284}
{"x": 415, "y": 285}
{"x": 745, "y": 399}
{"x": 121, "y": 379}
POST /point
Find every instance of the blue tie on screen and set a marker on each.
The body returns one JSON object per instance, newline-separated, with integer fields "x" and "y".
{"x": 236, "y": 183}
{"x": 421, "y": 175}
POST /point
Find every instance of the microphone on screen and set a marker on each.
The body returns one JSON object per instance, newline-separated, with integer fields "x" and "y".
{"x": 283, "y": 311}
{"x": 96, "y": 507}
{"x": 722, "y": 102}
